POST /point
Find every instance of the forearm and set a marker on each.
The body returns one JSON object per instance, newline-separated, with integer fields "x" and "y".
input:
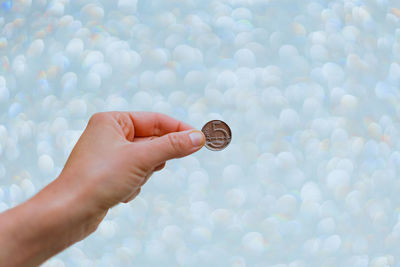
{"x": 44, "y": 225}
{"x": 106, "y": 167}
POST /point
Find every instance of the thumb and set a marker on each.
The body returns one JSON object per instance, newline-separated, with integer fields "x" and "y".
{"x": 170, "y": 146}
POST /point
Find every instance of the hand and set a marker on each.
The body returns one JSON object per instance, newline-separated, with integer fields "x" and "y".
{"x": 114, "y": 157}
{"x": 119, "y": 151}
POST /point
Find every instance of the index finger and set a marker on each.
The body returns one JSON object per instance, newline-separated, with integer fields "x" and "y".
{"x": 155, "y": 124}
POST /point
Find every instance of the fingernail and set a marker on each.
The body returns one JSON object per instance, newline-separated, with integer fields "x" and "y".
{"x": 197, "y": 138}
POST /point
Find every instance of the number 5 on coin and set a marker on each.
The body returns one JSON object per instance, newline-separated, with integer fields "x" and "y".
{"x": 218, "y": 135}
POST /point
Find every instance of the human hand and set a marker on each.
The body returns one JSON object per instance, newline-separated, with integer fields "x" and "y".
{"x": 113, "y": 158}
{"x": 119, "y": 151}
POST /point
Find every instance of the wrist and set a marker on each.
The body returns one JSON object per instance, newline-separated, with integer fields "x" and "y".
{"x": 48, "y": 223}
{"x": 72, "y": 210}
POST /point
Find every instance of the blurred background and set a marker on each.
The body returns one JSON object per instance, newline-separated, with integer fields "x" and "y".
{"x": 310, "y": 89}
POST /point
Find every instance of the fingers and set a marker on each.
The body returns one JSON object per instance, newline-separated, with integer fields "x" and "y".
{"x": 173, "y": 145}
{"x": 119, "y": 122}
{"x": 132, "y": 196}
{"x": 136, "y": 192}
{"x": 142, "y": 139}
{"x": 155, "y": 124}
{"x": 132, "y": 125}
{"x": 159, "y": 167}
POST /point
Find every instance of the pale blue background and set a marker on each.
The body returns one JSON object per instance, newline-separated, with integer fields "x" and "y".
{"x": 309, "y": 88}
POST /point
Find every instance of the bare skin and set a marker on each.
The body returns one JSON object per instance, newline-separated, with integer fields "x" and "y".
{"x": 112, "y": 160}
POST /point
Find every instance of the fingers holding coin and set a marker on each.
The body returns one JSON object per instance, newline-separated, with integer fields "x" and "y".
{"x": 218, "y": 135}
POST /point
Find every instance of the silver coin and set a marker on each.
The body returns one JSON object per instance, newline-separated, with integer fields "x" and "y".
{"x": 218, "y": 135}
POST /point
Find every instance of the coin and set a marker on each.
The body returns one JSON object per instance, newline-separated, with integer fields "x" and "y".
{"x": 218, "y": 135}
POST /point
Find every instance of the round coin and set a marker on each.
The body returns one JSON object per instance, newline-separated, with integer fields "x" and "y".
{"x": 218, "y": 135}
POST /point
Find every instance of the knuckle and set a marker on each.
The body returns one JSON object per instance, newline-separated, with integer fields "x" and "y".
{"x": 143, "y": 167}
{"x": 96, "y": 117}
{"x": 176, "y": 143}
{"x": 159, "y": 167}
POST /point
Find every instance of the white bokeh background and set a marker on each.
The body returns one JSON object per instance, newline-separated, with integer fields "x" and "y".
{"x": 310, "y": 89}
